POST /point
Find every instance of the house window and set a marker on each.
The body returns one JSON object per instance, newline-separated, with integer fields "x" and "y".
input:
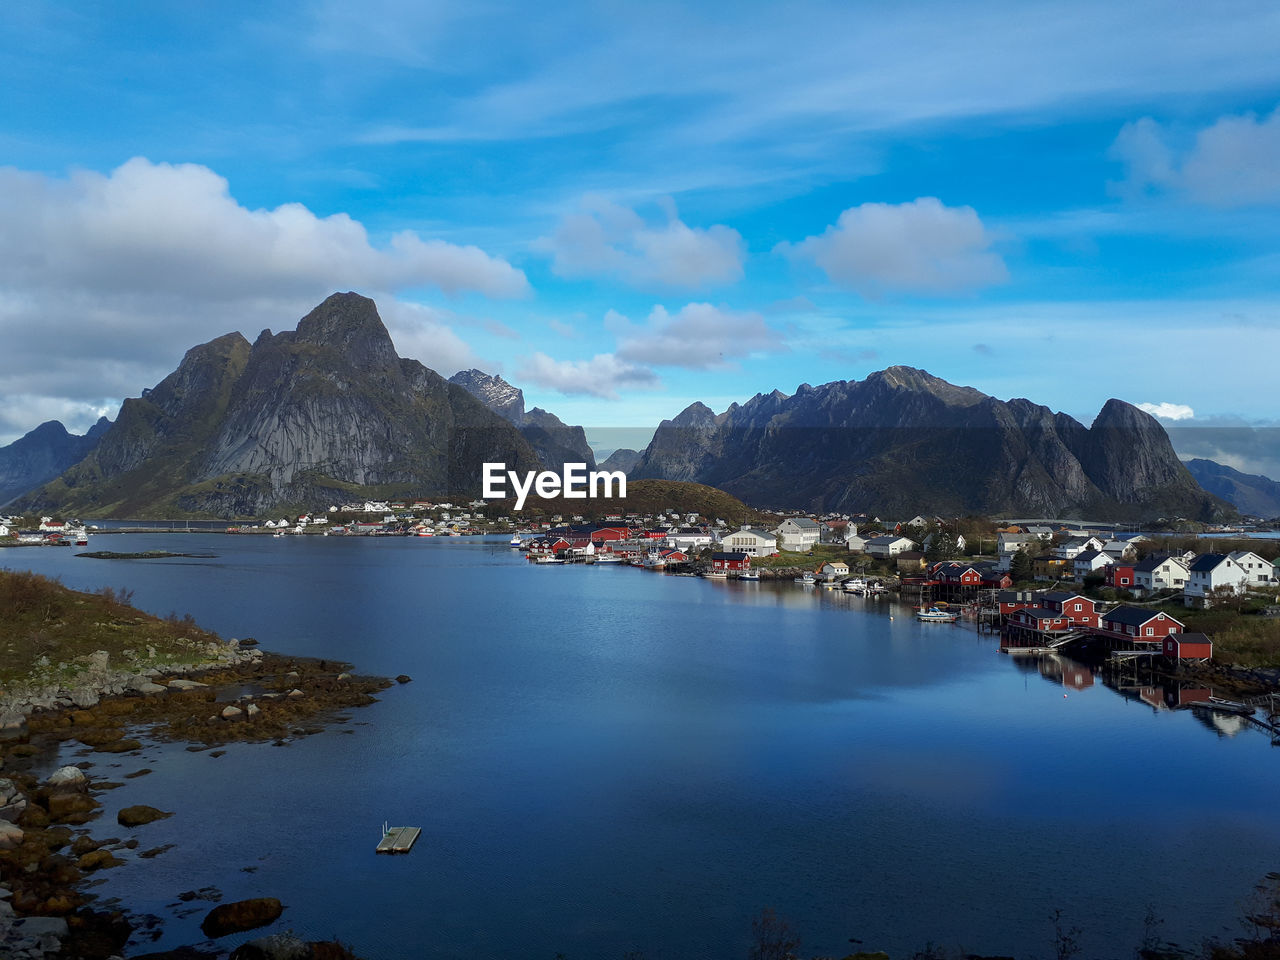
{"x": 1151, "y": 631}
{"x": 1078, "y": 607}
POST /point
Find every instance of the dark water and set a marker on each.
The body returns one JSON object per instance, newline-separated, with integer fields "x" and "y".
{"x": 608, "y": 759}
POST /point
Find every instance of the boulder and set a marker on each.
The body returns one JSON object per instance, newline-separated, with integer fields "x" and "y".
{"x": 40, "y": 927}
{"x": 277, "y": 946}
{"x": 252, "y": 710}
{"x": 140, "y": 814}
{"x": 241, "y": 915}
{"x": 12, "y": 802}
{"x": 186, "y": 684}
{"x": 10, "y": 835}
{"x": 404, "y": 678}
{"x": 84, "y": 696}
{"x": 98, "y": 860}
{"x": 64, "y": 805}
{"x": 68, "y": 778}
{"x": 231, "y": 713}
{"x": 295, "y": 693}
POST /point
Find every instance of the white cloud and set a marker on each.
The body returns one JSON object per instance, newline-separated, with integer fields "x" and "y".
{"x": 699, "y": 336}
{"x": 1167, "y": 411}
{"x": 601, "y": 376}
{"x": 605, "y": 238}
{"x": 917, "y": 247}
{"x": 424, "y": 333}
{"x": 1233, "y": 162}
{"x": 175, "y": 228}
{"x": 106, "y": 280}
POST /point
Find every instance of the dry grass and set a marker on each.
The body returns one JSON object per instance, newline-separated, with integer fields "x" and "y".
{"x": 45, "y": 627}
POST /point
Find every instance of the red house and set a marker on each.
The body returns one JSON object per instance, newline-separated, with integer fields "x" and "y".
{"x": 730, "y": 561}
{"x": 1078, "y": 610}
{"x": 1010, "y": 601}
{"x": 1140, "y": 624}
{"x": 1119, "y": 575}
{"x": 1188, "y": 646}
{"x": 602, "y": 534}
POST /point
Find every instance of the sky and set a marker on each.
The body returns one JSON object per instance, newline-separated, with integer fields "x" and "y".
{"x": 626, "y": 208}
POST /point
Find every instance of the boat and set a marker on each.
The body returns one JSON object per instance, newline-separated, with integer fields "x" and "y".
{"x": 934, "y": 615}
{"x": 855, "y": 585}
{"x": 516, "y": 542}
{"x": 608, "y": 558}
{"x": 748, "y": 575}
{"x": 655, "y": 561}
{"x": 548, "y": 559}
{"x": 716, "y": 574}
{"x": 807, "y": 579}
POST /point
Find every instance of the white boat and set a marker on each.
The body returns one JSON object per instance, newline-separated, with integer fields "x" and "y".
{"x": 516, "y": 541}
{"x": 748, "y": 575}
{"x": 934, "y": 615}
{"x": 548, "y": 559}
{"x": 608, "y": 558}
{"x": 808, "y": 578}
{"x": 716, "y": 574}
{"x": 655, "y": 561}
{"x": 855, "y": 585}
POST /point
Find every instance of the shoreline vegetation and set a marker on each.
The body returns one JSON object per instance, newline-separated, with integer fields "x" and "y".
{"x": 88, "y": 671}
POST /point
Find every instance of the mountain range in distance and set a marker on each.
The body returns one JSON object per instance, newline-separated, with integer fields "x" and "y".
{"x": 329, "y": 413}
{"x": 1250, "y": 493}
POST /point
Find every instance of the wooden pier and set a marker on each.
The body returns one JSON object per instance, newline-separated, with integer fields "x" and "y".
{"x": 398, "y": 839}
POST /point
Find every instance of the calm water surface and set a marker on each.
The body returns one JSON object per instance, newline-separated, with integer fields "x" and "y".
{"x": 607, "y": 759}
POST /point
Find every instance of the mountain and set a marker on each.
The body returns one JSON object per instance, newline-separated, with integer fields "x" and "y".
{"x": 902, "y": 442}
{"x": 622, "y": 459}
{"x": 1250, "y": 493}
{"x": 42, "y": 454}
{"x": 554, "y": 441}
{"x": 323, "y": 414}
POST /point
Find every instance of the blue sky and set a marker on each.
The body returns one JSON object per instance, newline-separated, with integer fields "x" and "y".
{"x": 626, "y": 208}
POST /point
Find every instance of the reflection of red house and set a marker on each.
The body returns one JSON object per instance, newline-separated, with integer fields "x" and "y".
{"x": 1153, "y": 697}
{"x": 730, "y": 561}
{"x": 1076, "y": 676}
{"x": 1188, "y": 646}
{"x": 1119, "y": 575}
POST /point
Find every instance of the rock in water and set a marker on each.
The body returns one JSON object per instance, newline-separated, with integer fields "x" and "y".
{"x": 140, "y": 814}
{"x": 278, "y": 946}
{"x": 241, "y": 915}
{"x": 68, "y": 778}
{"x": 10, "y": 835}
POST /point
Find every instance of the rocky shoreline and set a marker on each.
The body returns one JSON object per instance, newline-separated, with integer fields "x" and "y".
{"x": 47, "y": 853}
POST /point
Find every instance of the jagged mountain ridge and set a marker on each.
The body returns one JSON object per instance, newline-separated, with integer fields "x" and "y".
{"x": 903, "y": 441}
{"x": 624, "y": 459}
{"x": 43, "y": 453}
{"x": 555, "y": 442}
{"x": 1250, "y": 493}
{"x": 327, "y": 412}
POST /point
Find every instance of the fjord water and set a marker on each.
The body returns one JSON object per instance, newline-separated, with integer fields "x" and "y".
{"x": 607, "y": 760}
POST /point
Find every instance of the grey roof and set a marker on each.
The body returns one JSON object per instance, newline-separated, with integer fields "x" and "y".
{"x": 1134, "y": 616}
{"x": 804, "y": 523}
{"x": 1208, "y": 561}
{"x": 1062, "y": 596}
{"x": 886, "y": 539}
{"x": 1089, "y": 555}
{"x": 1149, "y": 564}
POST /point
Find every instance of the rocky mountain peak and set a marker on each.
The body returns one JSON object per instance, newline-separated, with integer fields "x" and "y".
{"x": 349, "y": 323}
{"x": 494, "y": 392}
{"x": 921, "y": 381}
{"x": 696, "y": 415}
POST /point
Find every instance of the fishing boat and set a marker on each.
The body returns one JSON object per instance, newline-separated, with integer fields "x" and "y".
{"x": 716, "y": 574}
{"x": 608, "y": 558}
{"x": 548, "y": 559}
{"x": 748, "y": 575}
{"x": 855, "y": 585}
{"x": 808, "y": 579}
{"x": 934, "y": 615}
{"x": 516, "y": 542}
{"x": 655, "y": 561}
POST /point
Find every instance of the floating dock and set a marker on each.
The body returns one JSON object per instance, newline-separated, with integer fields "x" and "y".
{"x": 398, "y": 839}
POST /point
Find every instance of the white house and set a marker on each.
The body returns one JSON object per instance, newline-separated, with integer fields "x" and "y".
{"x": 890, "y": 545}
{"x": 1088, "y": 562}
{"x": 751, "y": 542}
{"x": 1070, "y": 549}
{"x": 4, "y": 530}
{"x": 1119, "y": 549}
{"x": 856, "y": 543}
{"x": 1210, "y": 572}
{"x": 688, "y": 538}
{"x": 1259, "y": 571}
{"x": 1160, "y": 572}
{"x": 798, "y": 533}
